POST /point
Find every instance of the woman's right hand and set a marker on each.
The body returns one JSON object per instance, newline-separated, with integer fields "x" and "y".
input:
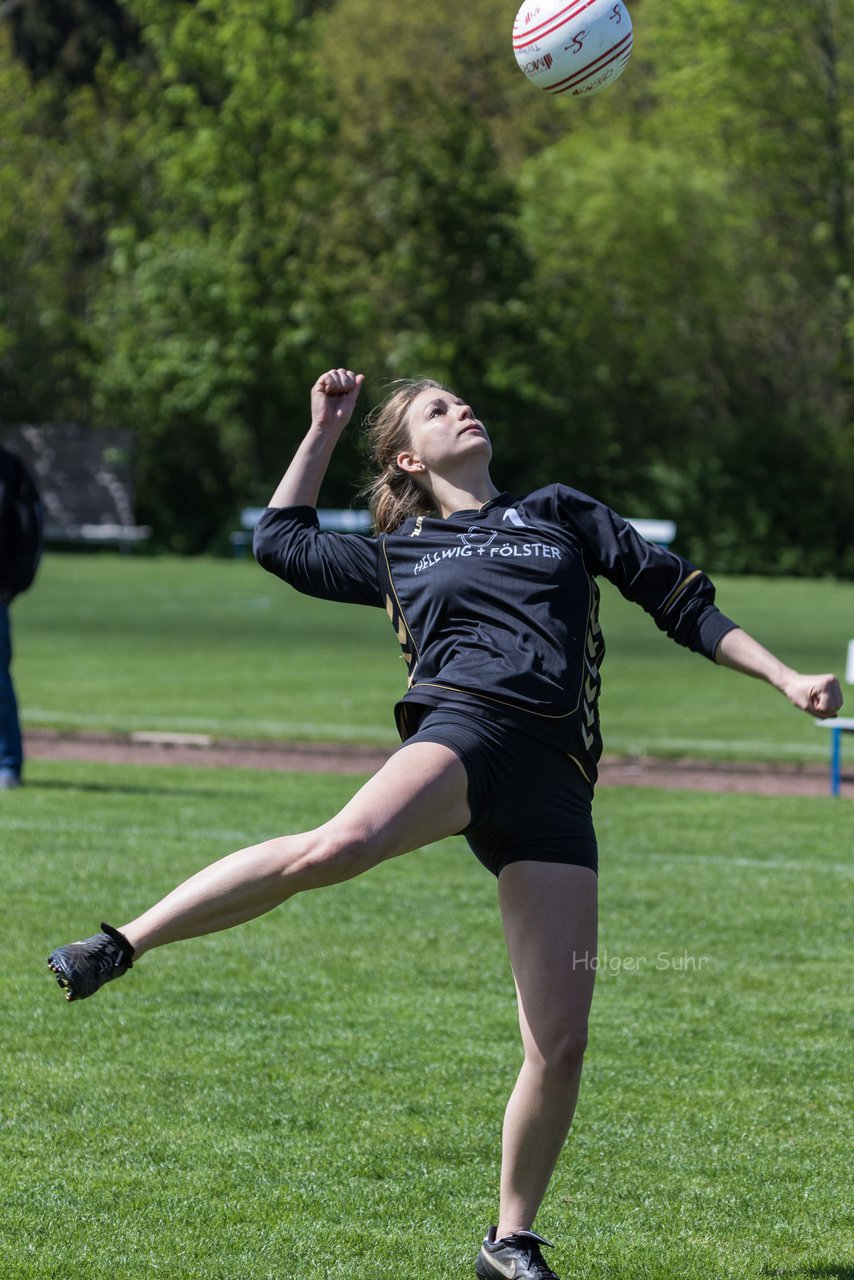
{"x": 333, "y": 398}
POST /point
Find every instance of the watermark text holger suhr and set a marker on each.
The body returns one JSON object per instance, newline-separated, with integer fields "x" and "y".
{"x": 604, "y": 962}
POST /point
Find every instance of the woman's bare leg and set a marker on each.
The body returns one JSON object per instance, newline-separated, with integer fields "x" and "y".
{"x": 419, "y": 795}
{"x": 550, "y": 916}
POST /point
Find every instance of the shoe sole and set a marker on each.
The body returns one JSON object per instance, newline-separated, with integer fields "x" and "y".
{"x": 62, "y": 977}
{"x": 483, "y": 1271}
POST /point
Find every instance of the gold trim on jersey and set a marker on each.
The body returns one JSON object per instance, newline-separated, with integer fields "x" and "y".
{"x": 398, "y": 621}
{"x": 399, "y": 628}
{"x": 579, "y": 767}
{"x": 488, "y": 697}
{"x": 678, "y": 590}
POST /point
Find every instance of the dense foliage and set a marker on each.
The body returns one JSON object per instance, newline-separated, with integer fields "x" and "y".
{"x": 646, "y": 294}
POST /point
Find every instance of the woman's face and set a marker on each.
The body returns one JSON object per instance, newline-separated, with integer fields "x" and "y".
{"x": 443, "y": 432}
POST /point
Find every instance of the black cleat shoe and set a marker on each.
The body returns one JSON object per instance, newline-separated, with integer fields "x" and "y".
{"x": 81, "y": 968}
{"x": 515, "y": 1257}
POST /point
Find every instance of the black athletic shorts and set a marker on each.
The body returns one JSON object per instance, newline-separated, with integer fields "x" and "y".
{"x": 528, "y": 801}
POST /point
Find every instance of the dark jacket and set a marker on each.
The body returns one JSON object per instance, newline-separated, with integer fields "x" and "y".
{"x": 20, "y": 527}
{"x": 497, "y": 609}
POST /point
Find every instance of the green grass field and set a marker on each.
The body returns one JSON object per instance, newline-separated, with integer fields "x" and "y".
{"x": 320, "y": 1092}
{"x": 220, "y": 647}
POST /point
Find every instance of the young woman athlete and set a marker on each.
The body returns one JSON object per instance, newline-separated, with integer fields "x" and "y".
{"x": 494, "y": 602}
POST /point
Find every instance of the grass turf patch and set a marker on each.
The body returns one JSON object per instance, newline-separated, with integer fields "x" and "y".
{"x": 321, "y": 1090}
{"x": 219, "y": 647}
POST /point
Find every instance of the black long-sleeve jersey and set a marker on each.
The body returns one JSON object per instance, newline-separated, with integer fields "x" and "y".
{"x": 496, "y": 609}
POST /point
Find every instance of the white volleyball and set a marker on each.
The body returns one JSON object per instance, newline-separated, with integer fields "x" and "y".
{"x": 575, "y": 47}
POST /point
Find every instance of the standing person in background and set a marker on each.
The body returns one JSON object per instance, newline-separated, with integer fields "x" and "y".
{"x": 494, "y": 602}
{"x": 20, "y": 549}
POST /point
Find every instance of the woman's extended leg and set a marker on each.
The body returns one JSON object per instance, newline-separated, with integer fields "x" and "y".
{"x": 550, "y": 915}
{"x": 419, "y": 795}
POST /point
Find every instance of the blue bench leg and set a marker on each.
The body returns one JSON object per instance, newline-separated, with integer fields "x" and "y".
{"x": 835, "y": 760}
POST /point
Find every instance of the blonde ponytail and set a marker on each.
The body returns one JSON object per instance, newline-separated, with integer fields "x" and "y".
{"x": 395, "y": 495}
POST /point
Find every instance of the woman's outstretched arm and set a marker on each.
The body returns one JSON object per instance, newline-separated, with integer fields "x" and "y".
{"x": 333, "y": 399}
{"x": 820, "y": 695}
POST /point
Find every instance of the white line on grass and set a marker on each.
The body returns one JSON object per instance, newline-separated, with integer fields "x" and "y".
{"x": 246, "y": 837}
{"x": 171, "y": 832}
{"x": 333, "y": 731}
{"x": 840, "y": 868}
{"x": 761, "y": 864}
{"x": 722, "y": 746}
{"x": 326, "y": 730}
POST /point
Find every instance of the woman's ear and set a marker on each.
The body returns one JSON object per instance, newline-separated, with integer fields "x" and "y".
{"x": 410, "y": 463}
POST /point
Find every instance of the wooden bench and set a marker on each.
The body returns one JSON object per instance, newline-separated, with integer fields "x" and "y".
{"x": 123, "y": 536}
{"x": 85, "y": 480}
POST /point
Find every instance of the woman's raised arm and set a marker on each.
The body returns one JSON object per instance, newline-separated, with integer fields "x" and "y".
{"x": 333, "y": 399}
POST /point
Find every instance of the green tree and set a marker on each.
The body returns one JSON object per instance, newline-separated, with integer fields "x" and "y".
{"x": 635, "y": 290}
{"x": 773, "y": 105}
{"x": 379, "y": 56}
{"x": 420, "y": 256}
{"x": 689, "y": 245}
{"x": 649, "y": 292}
{"x": 39, "y": 334}
{"x": 65, "y": 38}
{"x": 196, "y": 321}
